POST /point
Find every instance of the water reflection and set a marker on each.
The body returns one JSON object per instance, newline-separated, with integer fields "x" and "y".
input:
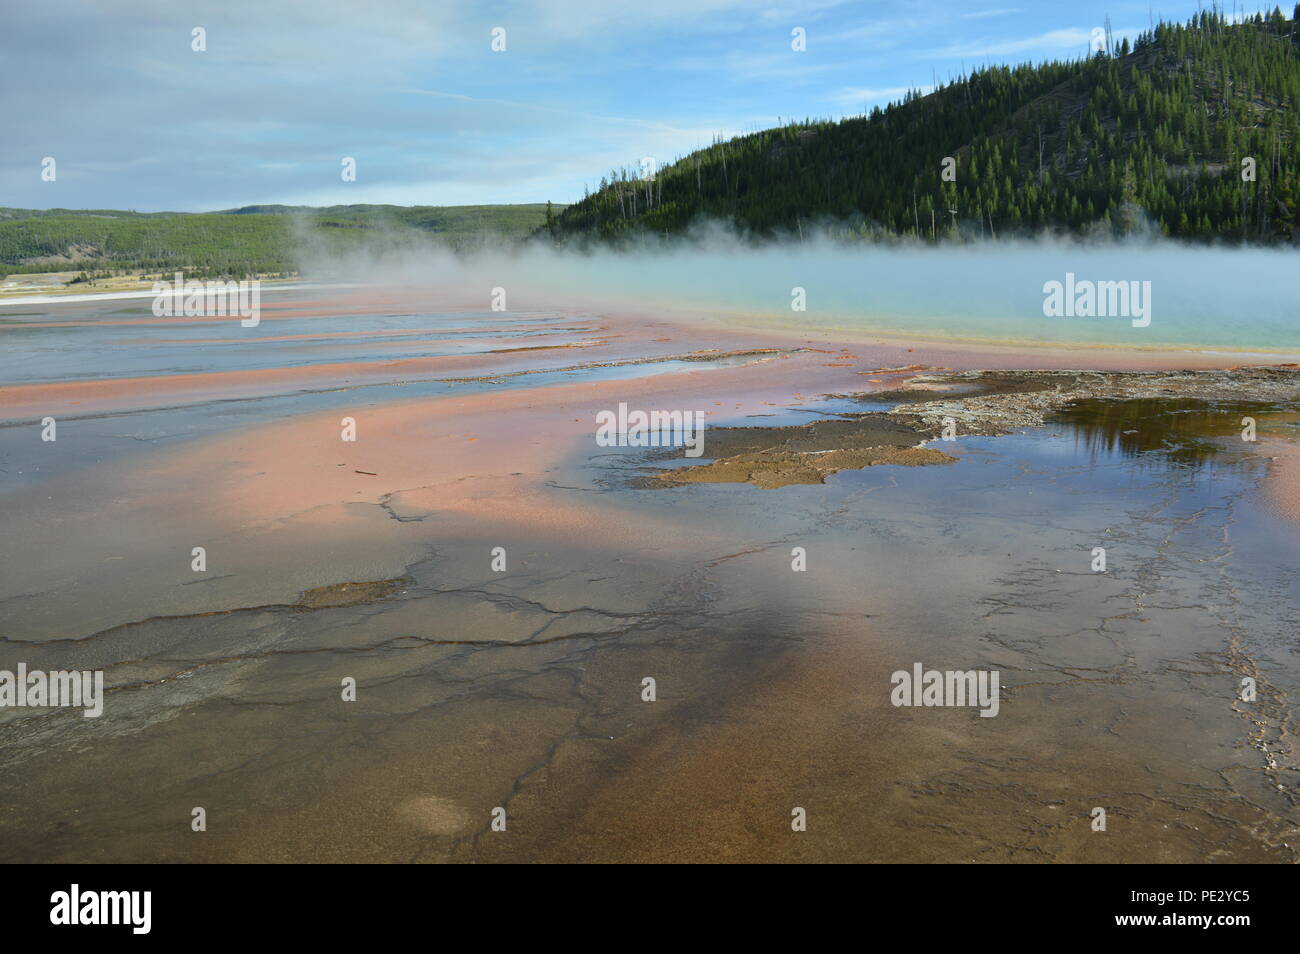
{"x": 1182, "y": 433}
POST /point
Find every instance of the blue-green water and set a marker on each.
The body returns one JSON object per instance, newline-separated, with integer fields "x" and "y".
{"x": 1200, "y": 297}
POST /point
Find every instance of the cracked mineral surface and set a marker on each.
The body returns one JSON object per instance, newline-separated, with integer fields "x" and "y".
{"x": 482, "y": 685}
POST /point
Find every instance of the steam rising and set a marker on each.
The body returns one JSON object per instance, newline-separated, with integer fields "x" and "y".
{"x": 1201, "y": 296}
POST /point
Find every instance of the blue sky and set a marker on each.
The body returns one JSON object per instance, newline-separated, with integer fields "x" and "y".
{"x": 135, "y": 118}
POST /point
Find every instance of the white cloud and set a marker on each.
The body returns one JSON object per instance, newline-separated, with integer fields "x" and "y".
{"x": 985, "y": 14}
{"x": 1073, "y": 38}
{"x": 858, "y": 96}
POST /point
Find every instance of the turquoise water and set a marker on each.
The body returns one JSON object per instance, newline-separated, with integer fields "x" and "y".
{"x": 1200, "y": 297}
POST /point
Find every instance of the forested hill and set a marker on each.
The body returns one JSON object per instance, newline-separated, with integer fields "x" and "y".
{"x": 1148, "y": 137}
{"x": 258, "y": 239}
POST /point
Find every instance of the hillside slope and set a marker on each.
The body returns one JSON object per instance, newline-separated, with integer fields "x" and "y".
{"x": 1145, "y": 138}
{"x": 236, "y": 242}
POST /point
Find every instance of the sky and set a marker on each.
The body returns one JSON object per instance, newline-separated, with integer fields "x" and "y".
{"x": 135, "y": 117}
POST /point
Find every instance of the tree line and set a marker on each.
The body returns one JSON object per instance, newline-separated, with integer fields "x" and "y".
{"x": 1189, "y": 132}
